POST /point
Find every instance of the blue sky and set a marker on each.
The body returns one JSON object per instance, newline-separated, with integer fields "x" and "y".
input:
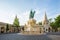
{"x": 10, "y": 8}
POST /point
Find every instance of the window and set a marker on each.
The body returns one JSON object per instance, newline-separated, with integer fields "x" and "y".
{"x": 46, "y": 29}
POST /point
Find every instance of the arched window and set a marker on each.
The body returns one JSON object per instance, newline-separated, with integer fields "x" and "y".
{"x": 49, "y": 29}
{"x": 2, "y": 29}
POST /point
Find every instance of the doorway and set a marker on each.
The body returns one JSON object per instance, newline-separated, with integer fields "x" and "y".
{"x": 2, "y": 29}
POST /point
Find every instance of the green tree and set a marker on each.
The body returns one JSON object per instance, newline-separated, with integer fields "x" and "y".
{"x": 53, "y": 25}
{"x": 56, "y": 23}
{"x": 16, "y": 22}
{"x": 7, "y": 27}
{"x": 50, "y": 20}
{"x": 40, "y": 23}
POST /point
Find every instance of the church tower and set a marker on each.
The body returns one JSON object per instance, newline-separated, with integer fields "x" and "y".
{"x": 45, "y": 23}
{"x": 45, "y": 20}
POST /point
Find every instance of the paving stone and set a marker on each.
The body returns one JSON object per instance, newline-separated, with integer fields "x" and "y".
{"x": 17, "y": 36}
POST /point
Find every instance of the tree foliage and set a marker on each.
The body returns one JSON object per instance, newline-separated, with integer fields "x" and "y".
{"x": 50, "y": 20}
{"x": 7, "y": 27}
{"x": 16, "y": 22}
{"x": 40, "y": 23}
{"x": 56, "y": 23}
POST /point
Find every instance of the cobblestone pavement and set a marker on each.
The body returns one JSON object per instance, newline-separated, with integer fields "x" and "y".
{"x": 17, "y": 36}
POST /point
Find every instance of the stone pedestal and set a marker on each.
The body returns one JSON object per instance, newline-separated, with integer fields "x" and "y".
{"x": 32, "y": 28}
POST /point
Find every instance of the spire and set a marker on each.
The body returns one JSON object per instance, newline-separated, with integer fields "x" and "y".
{"x": 45, "y": 21}
{"x": 45, "y": 16}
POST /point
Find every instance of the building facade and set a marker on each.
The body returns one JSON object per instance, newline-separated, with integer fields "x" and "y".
{"x": 46, "y": 24}
{"x": 8, "y": 28}
{"x": 32, "y": 28}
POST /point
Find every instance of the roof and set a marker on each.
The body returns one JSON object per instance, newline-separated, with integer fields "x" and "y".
{"x": 4, "y": 24}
